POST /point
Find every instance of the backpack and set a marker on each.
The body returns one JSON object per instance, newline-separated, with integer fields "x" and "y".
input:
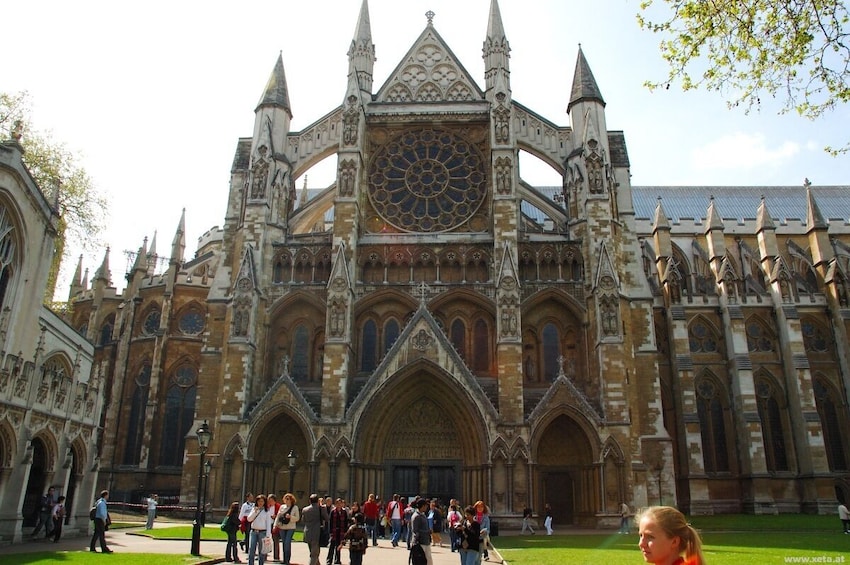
{"x": 417, "y": 555}
{"x": 357, "y": 540}
{"x": 93, "y": 513}
{"x": 224, "y": 523}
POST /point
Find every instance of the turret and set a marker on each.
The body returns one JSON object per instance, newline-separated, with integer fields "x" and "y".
{"x": 272, "y": 115}
{"x": 361, "y": 54}
{"x": 178, "y": 245}
{"x": 817, "y": 229}
{"x": 151, "y": 257}
{"x": 76, "y": 281}
{"x": 496, "y": 55}
{"x": 586, "y": 100}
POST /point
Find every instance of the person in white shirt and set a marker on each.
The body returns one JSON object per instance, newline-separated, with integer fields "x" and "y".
{"x": 58, "y": 518}
{"x": 844, "y": 516}
{"x": 246, "y": 509}
{"x": 260, "y": 526}
{"x": 152, "y": 501}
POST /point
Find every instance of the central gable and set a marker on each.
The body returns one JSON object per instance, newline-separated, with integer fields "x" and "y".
{"x": 429, "y": 72}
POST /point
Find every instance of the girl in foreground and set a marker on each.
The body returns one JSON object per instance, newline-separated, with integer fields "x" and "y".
{"x": 665, "y": 536}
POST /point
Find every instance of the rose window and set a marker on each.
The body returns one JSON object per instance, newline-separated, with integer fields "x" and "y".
{"x": 427, "y": 181}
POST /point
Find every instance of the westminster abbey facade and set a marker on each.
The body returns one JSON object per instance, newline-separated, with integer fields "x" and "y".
{"x": 433, "y": 324}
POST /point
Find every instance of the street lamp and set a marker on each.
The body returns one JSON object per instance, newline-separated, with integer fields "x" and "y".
{"x": 204, "y": 434}
{"x": 207, "y": 468}
{"x": 293, "y": 459}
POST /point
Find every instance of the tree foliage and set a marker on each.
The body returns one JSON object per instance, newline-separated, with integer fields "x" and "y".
{"x": 55, "y": 167}
{"x": 797, "y": 50}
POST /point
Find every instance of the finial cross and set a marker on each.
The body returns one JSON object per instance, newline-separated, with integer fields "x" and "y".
{"x": 430, "y": 15}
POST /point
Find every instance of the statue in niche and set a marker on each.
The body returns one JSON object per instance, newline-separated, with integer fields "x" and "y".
{"x": 609, "y": 318}
{"x": 337, "y": 318}
{"x": 349, "y": 121}
{"x": 503, "y": 175}
{"x": 502, "y": 124}
{"x": 675, "y": 290}
{"x": 240, "y": 323}
{"x": 260, "y": 174}
{"x": 508, "y": 322}
{"x": 346, "y": 179}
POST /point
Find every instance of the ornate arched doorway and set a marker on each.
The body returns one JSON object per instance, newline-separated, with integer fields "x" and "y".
{"x": 569, "y": 477}
{"x": 422, "y": 436}
{"x": 37, "y": 483}
{"x": 267, "y": 469}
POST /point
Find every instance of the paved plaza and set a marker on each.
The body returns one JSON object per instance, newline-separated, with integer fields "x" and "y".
{"x": 130, "y": 541}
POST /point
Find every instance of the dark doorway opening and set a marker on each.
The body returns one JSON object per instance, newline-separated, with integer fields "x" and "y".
{"x": 558, "y": 493}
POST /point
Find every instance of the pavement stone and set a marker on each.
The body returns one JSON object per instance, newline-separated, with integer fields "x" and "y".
{"x": 134, "y": 541}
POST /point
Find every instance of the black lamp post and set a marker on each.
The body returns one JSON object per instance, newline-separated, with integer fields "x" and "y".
{"x": 207, "y": 468}
{"x": 204, "y": 434}
{"x": 659, "y": 469}
{"x": 293, "y": 459}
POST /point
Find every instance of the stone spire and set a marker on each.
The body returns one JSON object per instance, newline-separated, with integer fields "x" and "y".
{"x": 76, "y": 281}
{"x": 814, "y": 218}
{"x": 661, "y": 222}
{"x": 764, "y": 221}
{"x": 103, "y": 273}
{"x": 584, "y": 85}
{"x": 178, "y": 244}
{"x": 712, "y": 218}
{"x": 496, "y": 52}
{"x": 361, "y": 54}
{"x": 276, "y": 93}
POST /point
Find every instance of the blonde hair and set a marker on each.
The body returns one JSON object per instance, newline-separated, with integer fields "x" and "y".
{"x": 292, "y": 496}
{"x": 674, "y": 524}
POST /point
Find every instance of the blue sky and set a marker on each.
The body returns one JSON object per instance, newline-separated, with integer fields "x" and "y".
{"x": 155, "y": 95}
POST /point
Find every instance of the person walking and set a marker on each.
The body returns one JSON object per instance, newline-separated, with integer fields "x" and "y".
{"x": 625, "y": 511}
{"x": 260, "y": 525}
{"x": 371, "y": 512}
{"x": 435, "y": 521}
{"x": 394, "y": 515}
{"x": 338, "y": 521}
{"x": 469, "y": 534}
{"x": 287, "y": 517}
{"x": 101, "y": 518}
{"x": 547, "y": 522}
{"x": 482, "y": 516}
{"x": 244, "y": 510}
{"x": 58, "y": 518}
{"x": 152, "y": 501}
{"x": 314, "y": 518}
{"x": 454, "y": 519}
{"x": 844, "y": 516}
{"x": 45, "y": 514}
{"x": 665, "y": 536}
{"x": 358, "y": 540}
{"x": 231, "y": 528}
{"x": 527, "y": 515}
{"x": 274, "y": 506}
{"x": 420, "y": 532}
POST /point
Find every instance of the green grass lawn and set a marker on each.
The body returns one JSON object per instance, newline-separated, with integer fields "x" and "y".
{"x": 86, "y": 558}
{"x": 727, "y": 539}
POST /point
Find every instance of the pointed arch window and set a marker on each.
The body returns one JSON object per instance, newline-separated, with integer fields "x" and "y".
{"x": 831, "y": 424}
{"x": 481, "y": 346}
{"x": 459, "y": 337}
{"x": 300, "y": 353}
{"x": 135, "y": 425}
{"x": 814, "y": 338}
{"x": 759, "y": 339}
{"x": 551, "y": 351}
{"x": 391, "y": 332}
{"x": 701, "y": 337}
{"x": 179, "y": 415}
{"x": 7, "y": 252}
{"x": 368, "y": 357}
{"x": 106, "y": 330}
{"x": 770, "y": 414}
{"x": 712, "y": 419}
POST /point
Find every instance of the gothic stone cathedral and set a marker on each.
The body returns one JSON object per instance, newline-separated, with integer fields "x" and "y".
{"x": 432, "y": 324}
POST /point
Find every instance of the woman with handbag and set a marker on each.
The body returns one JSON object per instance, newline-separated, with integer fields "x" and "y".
{"x": 260, "y": 525}
{"x": 230, "y": 526}
{"x": 468, "y": 537}
{"x": 287, "y": 517}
